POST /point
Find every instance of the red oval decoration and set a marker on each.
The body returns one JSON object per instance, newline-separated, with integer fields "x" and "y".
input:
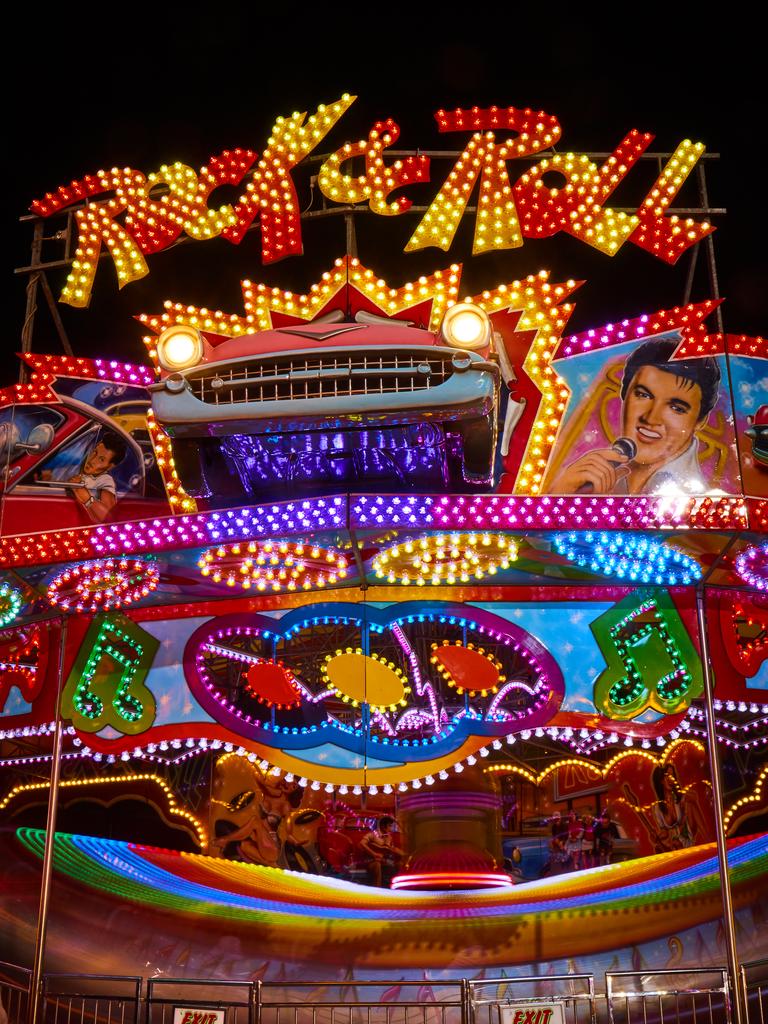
{"x": 272, "y": 684}
{"x": 468, "y": 669}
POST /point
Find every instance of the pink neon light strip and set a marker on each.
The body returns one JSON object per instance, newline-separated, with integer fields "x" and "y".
{"x": 465, "y": 879}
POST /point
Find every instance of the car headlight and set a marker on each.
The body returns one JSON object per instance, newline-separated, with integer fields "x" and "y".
{"x": 179, "y": 347}
{"x": 466, "y": 325}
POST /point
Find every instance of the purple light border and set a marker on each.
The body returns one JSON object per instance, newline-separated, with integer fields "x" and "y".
{"x": 364, "y": 511}
{"x": 756, "y": 577}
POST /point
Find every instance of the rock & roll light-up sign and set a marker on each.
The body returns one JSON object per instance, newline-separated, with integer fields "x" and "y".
{"x": 133, "y": 215}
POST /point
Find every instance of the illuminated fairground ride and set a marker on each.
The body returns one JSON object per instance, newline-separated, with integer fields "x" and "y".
{"x": 385, "y": 630}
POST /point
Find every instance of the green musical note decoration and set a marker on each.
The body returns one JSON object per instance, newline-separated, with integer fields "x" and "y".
{"x": 650, "y": 657}
{"x": 106, "y": 685}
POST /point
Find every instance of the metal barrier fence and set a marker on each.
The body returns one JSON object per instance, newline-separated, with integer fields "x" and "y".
{"x": 677, "y": 996}
{"x": 574, "y": 992}
{"x": 14, "y": 992}
{"x": 362, "y": 1002}
{"x": 236, "y": 999}
{"x": 680, "y": 996}
{"x": 755, "y": 980}
{"x": 81, "y": 998}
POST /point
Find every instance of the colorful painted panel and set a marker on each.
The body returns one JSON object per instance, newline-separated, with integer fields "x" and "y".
{"x": 353, "y": 694}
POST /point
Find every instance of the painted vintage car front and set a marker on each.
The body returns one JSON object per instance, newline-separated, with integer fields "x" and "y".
{"x": 328, "y": 406}
{"x": 44, "y": 446}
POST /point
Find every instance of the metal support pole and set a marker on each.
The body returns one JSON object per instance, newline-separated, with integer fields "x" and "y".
{"x": 740, "y": 1013}
{"x": 466, "y": 1002}
{"x": 709, "y": 247}
{"x": 50, "y": 829}
{"x": 27, "y": 329}
{"x": 690, "y": 275}
{"x": 351, "y": 240}
{"x": 356, "y": 551}
{"x": 56, "y": 316}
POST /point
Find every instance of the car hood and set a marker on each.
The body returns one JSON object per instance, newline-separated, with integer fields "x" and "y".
{"x": 303, "y": 336}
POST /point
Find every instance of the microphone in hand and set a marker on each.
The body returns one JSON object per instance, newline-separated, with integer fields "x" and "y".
{"x": 624, "y": 447}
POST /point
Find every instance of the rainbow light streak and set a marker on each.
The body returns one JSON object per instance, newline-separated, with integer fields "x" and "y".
{"x": 635, "y": 558}
{"x": 752, "y": 566}
{"x": 626, "y": 903}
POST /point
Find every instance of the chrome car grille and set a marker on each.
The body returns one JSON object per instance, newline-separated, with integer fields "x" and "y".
{"x": 290, "y": 378}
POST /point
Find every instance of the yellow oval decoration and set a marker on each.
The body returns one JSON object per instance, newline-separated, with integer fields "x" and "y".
{"x": 445, "y": 558}
{"x": 362, "y": 678}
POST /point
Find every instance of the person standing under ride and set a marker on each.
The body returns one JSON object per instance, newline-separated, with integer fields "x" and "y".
{"x": 573, "y": 841}
{"x": 605, "y": 831}
{"x": 587, "y": 841}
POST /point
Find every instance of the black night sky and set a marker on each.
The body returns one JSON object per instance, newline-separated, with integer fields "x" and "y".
{"x": 155, "y": 87}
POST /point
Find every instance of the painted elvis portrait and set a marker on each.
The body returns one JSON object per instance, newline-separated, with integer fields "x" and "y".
{"x": 641, "y": 421}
